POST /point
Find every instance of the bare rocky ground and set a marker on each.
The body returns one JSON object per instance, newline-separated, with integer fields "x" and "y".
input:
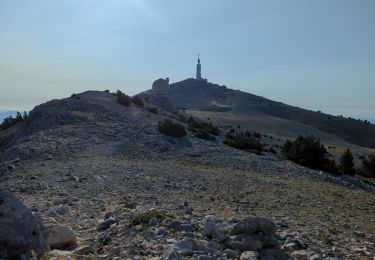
{"x": 128, "y": 192}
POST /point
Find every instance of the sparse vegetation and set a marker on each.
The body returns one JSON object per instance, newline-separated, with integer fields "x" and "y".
{"x": 309, "y": 152}
{"x": 75, "y": 96}
{"x": 138, "y": 101}
{"x": 347, "y": 163}
{"x": 123, "y": 99}
{"x": 257, "y": 135}
{"x": 202, "y": 134}
{"x": 272, "y": 150}
{"x": 170, "y": 128}
{"x": 202, "y": 129}
{"x": 10, "y": 121}
{"x": 368, "y": 167}
{"x": 144, "y": 218}
{"x": 243, "y": 141}
{"x": 153, "y": 110}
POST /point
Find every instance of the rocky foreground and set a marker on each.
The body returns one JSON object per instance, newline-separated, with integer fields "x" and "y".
{"x": 106, "y": 185}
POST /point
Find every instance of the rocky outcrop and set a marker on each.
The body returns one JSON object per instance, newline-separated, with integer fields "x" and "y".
{"x": 21, "y": 232}
{"x": 250, "y": 238}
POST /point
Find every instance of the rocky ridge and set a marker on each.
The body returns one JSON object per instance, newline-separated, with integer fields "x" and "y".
{"x": 101, "y": 174}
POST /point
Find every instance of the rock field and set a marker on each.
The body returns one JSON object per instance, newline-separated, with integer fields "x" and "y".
{"x": 107, "y": 185}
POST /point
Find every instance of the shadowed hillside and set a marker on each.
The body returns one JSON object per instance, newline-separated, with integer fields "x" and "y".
{"x": 220, "y": 102}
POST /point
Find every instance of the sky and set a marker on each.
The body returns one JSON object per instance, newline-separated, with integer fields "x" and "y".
{"x": 318, "y": 55}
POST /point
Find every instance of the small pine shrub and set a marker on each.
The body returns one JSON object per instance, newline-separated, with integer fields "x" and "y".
{"x": 309, "y": 152}
{"x": 243, "y": 141}
{"x": 272, "y": 150}
{"x": 347, "y": 163}
{"x": 368, "y": 167}
{"x": 203, "y": 129}
{"x": 257, "y": 135}
{"x": 153, "y": 110}
{"x": 138, "y": 101}
{"x": 202, "y": 134}
{"x": 10, "y": 121}
{"x": 170, "y": 128}
{"x": 144, "y": 218}
{"x": 75, "y": 96}
{"x": 123, "y": 99}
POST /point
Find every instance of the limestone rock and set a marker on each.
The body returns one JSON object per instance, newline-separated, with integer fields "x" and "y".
{"x": 249, "y": 255}
{"x": 252, "y": 225}
{"x": 185, "y": 208}
{"x": 61, "y": 237}
{"x": 105, "y": 224}
{"x": 178, "y": 225}
{"x": 171, "y": 254}
{"x": 231, "y": 253}
{"x": 20, "y": 230}
{"x": 209, "y": 227}
{"x": 305, "y": 254}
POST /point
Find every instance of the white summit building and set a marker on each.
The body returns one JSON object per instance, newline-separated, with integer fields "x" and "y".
{"x": 199, "y": 71}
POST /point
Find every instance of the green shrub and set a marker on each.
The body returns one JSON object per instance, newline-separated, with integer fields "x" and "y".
{"x": 368, "y": 167}
{"x": 243, "y": 141}
{"x": 309, "y": 152}
{"x": 202, "y": 129}
{"x": 152, "y": 110}
{"x": 272, "y": 150}
{"x": 203, "y": 134}
{"x": 170, "y": 128}
{"x": 123, "y": 99}
{"x": 138, "y": 101}
{"x": 257, "y": 135}
{"x": 144, "y": 218}
{"x": 347, "y": 163}
{"x": 75, "y": 96}
{"x": 10, "y": 121}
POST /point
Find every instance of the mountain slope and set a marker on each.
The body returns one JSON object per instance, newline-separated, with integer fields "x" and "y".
{"x": 225, "y": 105}
{"x": 87, "y": 159}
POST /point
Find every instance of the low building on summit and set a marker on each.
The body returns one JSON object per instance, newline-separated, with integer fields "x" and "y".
{"x": 160, "y": 87}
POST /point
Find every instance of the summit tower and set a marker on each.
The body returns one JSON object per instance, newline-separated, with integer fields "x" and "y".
{"x": 199, "y": 69}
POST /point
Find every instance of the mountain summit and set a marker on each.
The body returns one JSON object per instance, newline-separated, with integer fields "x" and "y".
{"x": 225, "y": 106}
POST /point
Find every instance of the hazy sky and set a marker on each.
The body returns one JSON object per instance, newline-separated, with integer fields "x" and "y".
{"x": 317, "y": 54}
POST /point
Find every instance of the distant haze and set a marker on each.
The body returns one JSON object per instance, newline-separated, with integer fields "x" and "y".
{"x": 5, "y": 114}
{"x": 317, "y": 54}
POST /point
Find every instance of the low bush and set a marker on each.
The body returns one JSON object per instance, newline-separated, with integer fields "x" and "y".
{"x": 243, "y": 141}
{"x": 123, "y": 99}
{"x": 202, "y": 129}
{"x": 153, "y": 110}
{"x": 138, "y": 101}
{"x": 202, "y": 134}
{"x": 75, "y": 96}
{"x": 10, "y": 121}
{"x": 144, "y": 218}
{"x": 257, "y": 135}
{"x": 368, "y": 167}
{"x": 309, "y": 152}
{"x": 272, "y": 150}
{"x": 347, "y": 163}
{"x": 170, "y": 128}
